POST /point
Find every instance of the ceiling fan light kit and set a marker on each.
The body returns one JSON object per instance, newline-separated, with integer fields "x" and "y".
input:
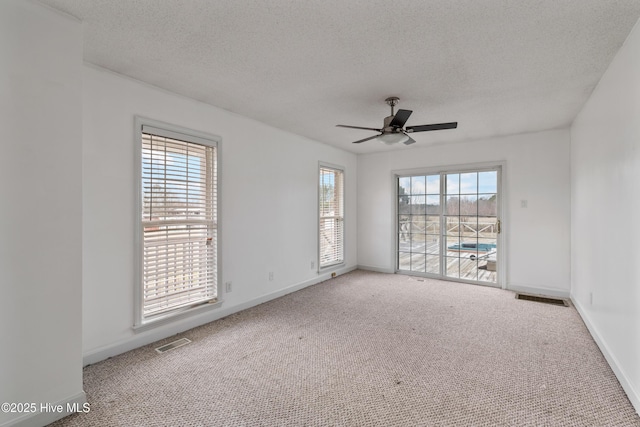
{"x": 393, "y": 138}
{"x": 393, "y": 131}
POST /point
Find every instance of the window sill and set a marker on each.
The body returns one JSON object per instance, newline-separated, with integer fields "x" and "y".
{"x": 326, "y": 268}
{"x": 175, "y": 316}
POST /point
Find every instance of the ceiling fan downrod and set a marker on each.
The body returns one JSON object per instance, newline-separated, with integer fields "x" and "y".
{"x": 392, "y": 101}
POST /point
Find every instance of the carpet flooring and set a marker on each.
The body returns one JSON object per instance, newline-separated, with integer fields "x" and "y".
{"x": 369, "y": 349}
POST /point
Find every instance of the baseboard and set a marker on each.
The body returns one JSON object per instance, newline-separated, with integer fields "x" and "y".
{"x": 377, "y": 269}
{"x": 57, "y": 410}
{"x": 541, "y": 291}
{"x": 178, "y": 327}
{"x": 627, "y": 386}
{"x": 533, "y": 290}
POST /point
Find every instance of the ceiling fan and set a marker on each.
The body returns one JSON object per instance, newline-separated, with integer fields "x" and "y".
{"x": 393, "y": 132}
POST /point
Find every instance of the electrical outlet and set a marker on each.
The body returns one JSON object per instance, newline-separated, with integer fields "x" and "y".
{"x": 590, "y": 298}
{"x": 270, "y": 275}
{"x": 227, "y": 287}
{"x": 313, "y": 264}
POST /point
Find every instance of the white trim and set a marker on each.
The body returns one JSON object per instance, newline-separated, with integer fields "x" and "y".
{"x": 181, "y": 325}
{"x": 448, "y": 279}
{"x": 466, "y": 167}
{"x": 177, "y": 315}
{"x": 137, "y": 227}
{"x": 181, "y": 133}
{"x": 627, "y": 386}
{"x": 38, "y": 419}
{"x": 376, "y": 269}
{"x": 330, "y": 266}
{"x": 537, "y": 290}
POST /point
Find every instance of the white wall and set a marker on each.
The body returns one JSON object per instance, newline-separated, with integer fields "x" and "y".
{"x": 605, "y": 160}
{"x": 268, "y": 206}
{"x": 41, "y": 211}
{"x": 536, "y": 169}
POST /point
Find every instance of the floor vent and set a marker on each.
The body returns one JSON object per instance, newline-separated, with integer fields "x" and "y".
{"x": 545, "y": 300}
{"x": 172, "y": 345}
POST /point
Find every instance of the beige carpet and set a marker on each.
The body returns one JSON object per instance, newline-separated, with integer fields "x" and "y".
{"x": 369, "y": 349}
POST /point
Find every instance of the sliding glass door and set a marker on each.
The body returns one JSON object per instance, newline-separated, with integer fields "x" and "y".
{"x": 419, "y": 219}
{"x": 448, "y": 224}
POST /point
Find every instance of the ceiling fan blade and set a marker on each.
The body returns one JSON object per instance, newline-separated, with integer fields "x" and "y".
{"x": 400, "y": 118}
{"x": 358, "y": 127}
{"x": 366, "y": 139}
{"x": 409, "y": 141}
{"x": 438, "y": 126}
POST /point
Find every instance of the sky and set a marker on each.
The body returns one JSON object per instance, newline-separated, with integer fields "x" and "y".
{"x": 471, "y": 183}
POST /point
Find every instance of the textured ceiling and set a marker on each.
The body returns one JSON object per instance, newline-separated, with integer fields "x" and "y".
{"x": 495, "y": 66}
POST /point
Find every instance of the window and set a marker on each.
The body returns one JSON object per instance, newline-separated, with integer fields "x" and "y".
{"x": 178, "y": 222}
{"x": 331, "y": 228}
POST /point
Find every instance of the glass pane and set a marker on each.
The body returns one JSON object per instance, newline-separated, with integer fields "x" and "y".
{"x": 433, "y": 224}
{"x": 418, "y": 205}
{"x": 433, "y": 204}
{"x": 418, "y": 223}
{"x": 453, "y": 205}
{"x": 469, "y": 249}
{"x": 486, "y": 275}
{"x": 432, "y": 243}
{"x": 404, "y": 206}
{"x": 487, "y": 227}
{"x": 404, "y": 261}
{"x": 453, "y": 267}
{"x": 469, "y": 183}
{"x": 487, "y": 269}
{"x": 469, "y": 205}
{"x": 418, "y": 185}
{"x": 469, "y": 226}
{"x": 417, "y": 243}
{"x": 433, "y": 264}
{"x": 453, "y": 246}
{"x": 486, "y": 246}
{"x": 487, "y": 205}
{"x": 404, "y": 185}
{"x": 433, "y": 184}
{"x": 452, "y": 224}
{"x": 488, "y": 182}
{"x": 469, "y": 268}
{"x": 418, "y": 262}
{"x": 453, "y": 184}
{"x": 404, "y": 242}
{"x": 487, "y": 264}
{"x": 404, "y": 224}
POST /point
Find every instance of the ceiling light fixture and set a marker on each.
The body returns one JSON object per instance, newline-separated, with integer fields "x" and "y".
{"x": 393, "y": 138}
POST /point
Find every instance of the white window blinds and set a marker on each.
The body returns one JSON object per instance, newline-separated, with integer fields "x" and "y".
{"x": 179, "y": 229}
{"x": 331, "y": 216}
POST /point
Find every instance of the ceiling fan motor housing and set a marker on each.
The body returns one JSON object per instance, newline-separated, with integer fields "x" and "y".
{"x": 387, "y": 125}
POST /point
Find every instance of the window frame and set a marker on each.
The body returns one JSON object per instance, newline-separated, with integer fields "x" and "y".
{"x": 188, "y": 135}
{"x": 342, "y": 170}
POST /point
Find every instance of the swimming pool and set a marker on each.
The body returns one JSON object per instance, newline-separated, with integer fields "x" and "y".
{"x": 473, "y": 247}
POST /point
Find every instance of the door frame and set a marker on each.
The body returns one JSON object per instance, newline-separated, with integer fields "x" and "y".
{"x": 502, "y": 265}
